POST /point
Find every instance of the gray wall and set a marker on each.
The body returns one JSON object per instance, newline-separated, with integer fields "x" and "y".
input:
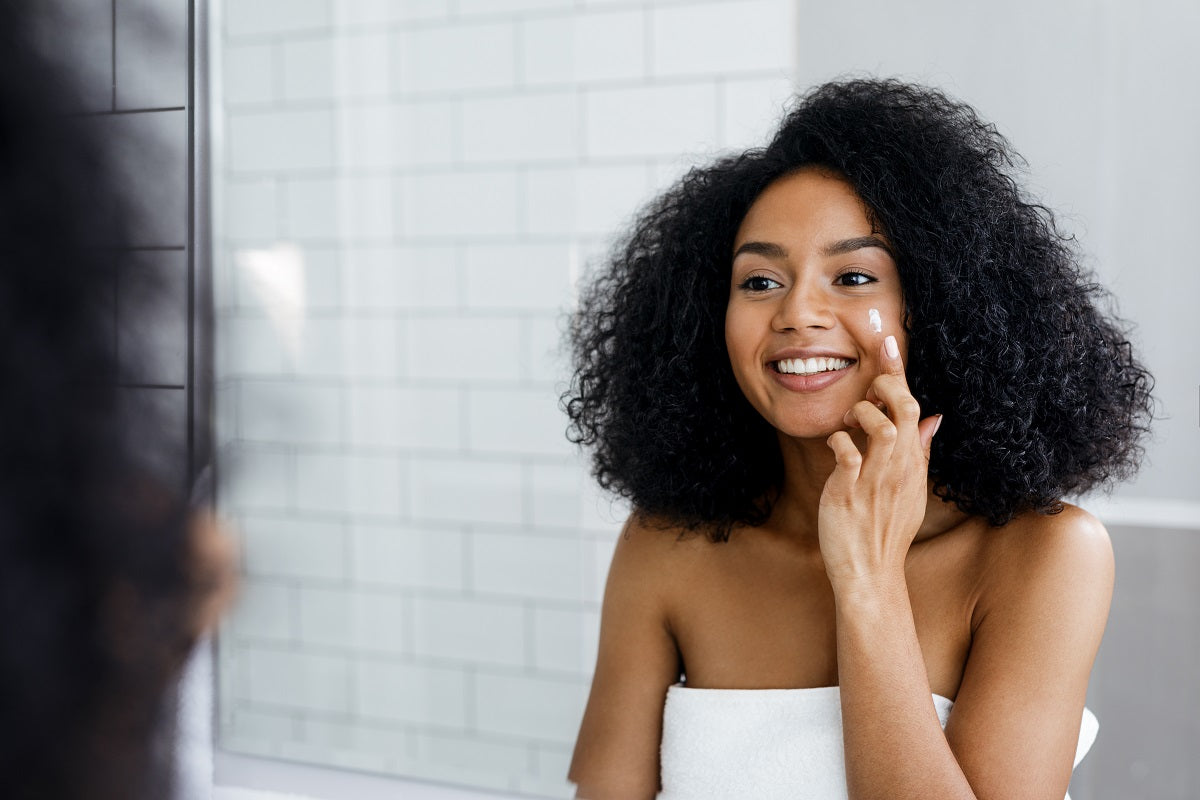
{"x": 1145, "y": 687}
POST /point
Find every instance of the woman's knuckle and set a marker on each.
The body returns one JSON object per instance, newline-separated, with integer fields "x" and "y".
{"x": 909, "y": 408}
{"x": 850, "y": 457}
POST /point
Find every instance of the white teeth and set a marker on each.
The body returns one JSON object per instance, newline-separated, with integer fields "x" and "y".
{"x": 810, "y": 366}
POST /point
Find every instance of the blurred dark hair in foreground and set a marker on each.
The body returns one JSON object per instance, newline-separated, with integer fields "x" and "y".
{"x": 101, "y": 586}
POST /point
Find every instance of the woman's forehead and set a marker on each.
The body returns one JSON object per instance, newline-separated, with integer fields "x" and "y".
{"x": 811, "y": 207}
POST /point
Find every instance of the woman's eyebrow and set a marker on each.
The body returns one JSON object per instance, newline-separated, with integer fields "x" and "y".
{"x": 844, "y": 246}
{"x": 767, "y": 249}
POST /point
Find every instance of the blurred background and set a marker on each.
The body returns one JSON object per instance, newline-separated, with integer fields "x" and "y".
{"x": 377, "y": 211}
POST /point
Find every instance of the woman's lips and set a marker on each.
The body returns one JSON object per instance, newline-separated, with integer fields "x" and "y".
{"x": 809, "y": 382}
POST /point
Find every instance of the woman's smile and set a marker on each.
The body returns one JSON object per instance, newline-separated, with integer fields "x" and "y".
{"x": 809, "y": 370}
{"x": 810, "y": 366}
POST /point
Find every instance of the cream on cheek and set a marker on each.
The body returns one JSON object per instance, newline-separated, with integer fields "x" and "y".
{"x": 880, "y": 322}
{"x": 868, "y": 331}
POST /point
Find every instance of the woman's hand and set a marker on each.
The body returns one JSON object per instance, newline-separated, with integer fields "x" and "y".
{"x": 213, "y": 566}
{"x": 874, "y": 502}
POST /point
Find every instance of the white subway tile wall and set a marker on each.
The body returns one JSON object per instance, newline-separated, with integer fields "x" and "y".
{"x": 281, "y": 141}
{"x": 408, "y": 195}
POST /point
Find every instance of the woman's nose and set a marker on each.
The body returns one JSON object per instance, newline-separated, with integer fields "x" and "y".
{"x": 803, "y": 307}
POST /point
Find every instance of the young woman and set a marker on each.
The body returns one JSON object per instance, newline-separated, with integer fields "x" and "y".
{"x": 846, "y": 381}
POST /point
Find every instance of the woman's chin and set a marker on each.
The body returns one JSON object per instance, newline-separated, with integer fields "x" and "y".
{"x": 817, "y": 430}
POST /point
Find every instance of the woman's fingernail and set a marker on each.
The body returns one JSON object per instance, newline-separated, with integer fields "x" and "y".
{"x": 936, "y": 425}
{"x": 893, "y": 350}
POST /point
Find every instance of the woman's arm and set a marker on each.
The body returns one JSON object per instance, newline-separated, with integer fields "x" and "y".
{"x": 616, "y": 754}
{"x": 1040, "y": 615}
{"x": 893, "y": 741}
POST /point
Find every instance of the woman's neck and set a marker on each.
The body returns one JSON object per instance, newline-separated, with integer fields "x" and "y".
{"x": 807, "y": 465}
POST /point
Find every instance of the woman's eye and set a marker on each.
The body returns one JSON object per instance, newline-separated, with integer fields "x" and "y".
{"x": 854, "y": 279}
{"x": 759, "y": 283}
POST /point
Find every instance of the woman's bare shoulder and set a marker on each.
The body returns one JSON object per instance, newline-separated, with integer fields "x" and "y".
{"x": 1072, "y": 534}
{"x": 648, "y": 543}
{"x": 656, "y": 530}
{"x": 1068, "y": 554}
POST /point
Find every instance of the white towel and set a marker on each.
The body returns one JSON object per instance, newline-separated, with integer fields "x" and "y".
{"x": 727, "y": 744}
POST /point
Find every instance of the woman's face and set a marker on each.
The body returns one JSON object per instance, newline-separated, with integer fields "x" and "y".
{"x": 807, "y": 271}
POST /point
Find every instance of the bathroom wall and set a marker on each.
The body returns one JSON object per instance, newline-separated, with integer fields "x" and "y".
{"x": 406, "y": 196}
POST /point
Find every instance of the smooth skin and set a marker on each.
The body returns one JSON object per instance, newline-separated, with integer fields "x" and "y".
{"x": 862, "y": 577}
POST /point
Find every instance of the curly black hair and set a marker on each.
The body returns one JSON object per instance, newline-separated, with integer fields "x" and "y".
{"x": 96, "y": 577}
{"x": 1008, "y": 336}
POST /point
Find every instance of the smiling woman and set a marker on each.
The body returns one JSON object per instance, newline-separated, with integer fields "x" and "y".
{"x": 824, "y": 590}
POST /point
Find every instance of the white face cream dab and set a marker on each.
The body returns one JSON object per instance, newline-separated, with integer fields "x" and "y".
{"x": 876, "y": 322}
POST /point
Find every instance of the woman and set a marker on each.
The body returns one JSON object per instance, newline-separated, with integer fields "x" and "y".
{"x": 846, "y": 381}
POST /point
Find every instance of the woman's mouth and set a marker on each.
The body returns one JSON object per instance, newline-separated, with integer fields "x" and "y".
{"x": 809, "y": 366}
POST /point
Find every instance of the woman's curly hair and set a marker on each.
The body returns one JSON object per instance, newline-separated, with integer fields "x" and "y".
{"x": 1008, "y": 338}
